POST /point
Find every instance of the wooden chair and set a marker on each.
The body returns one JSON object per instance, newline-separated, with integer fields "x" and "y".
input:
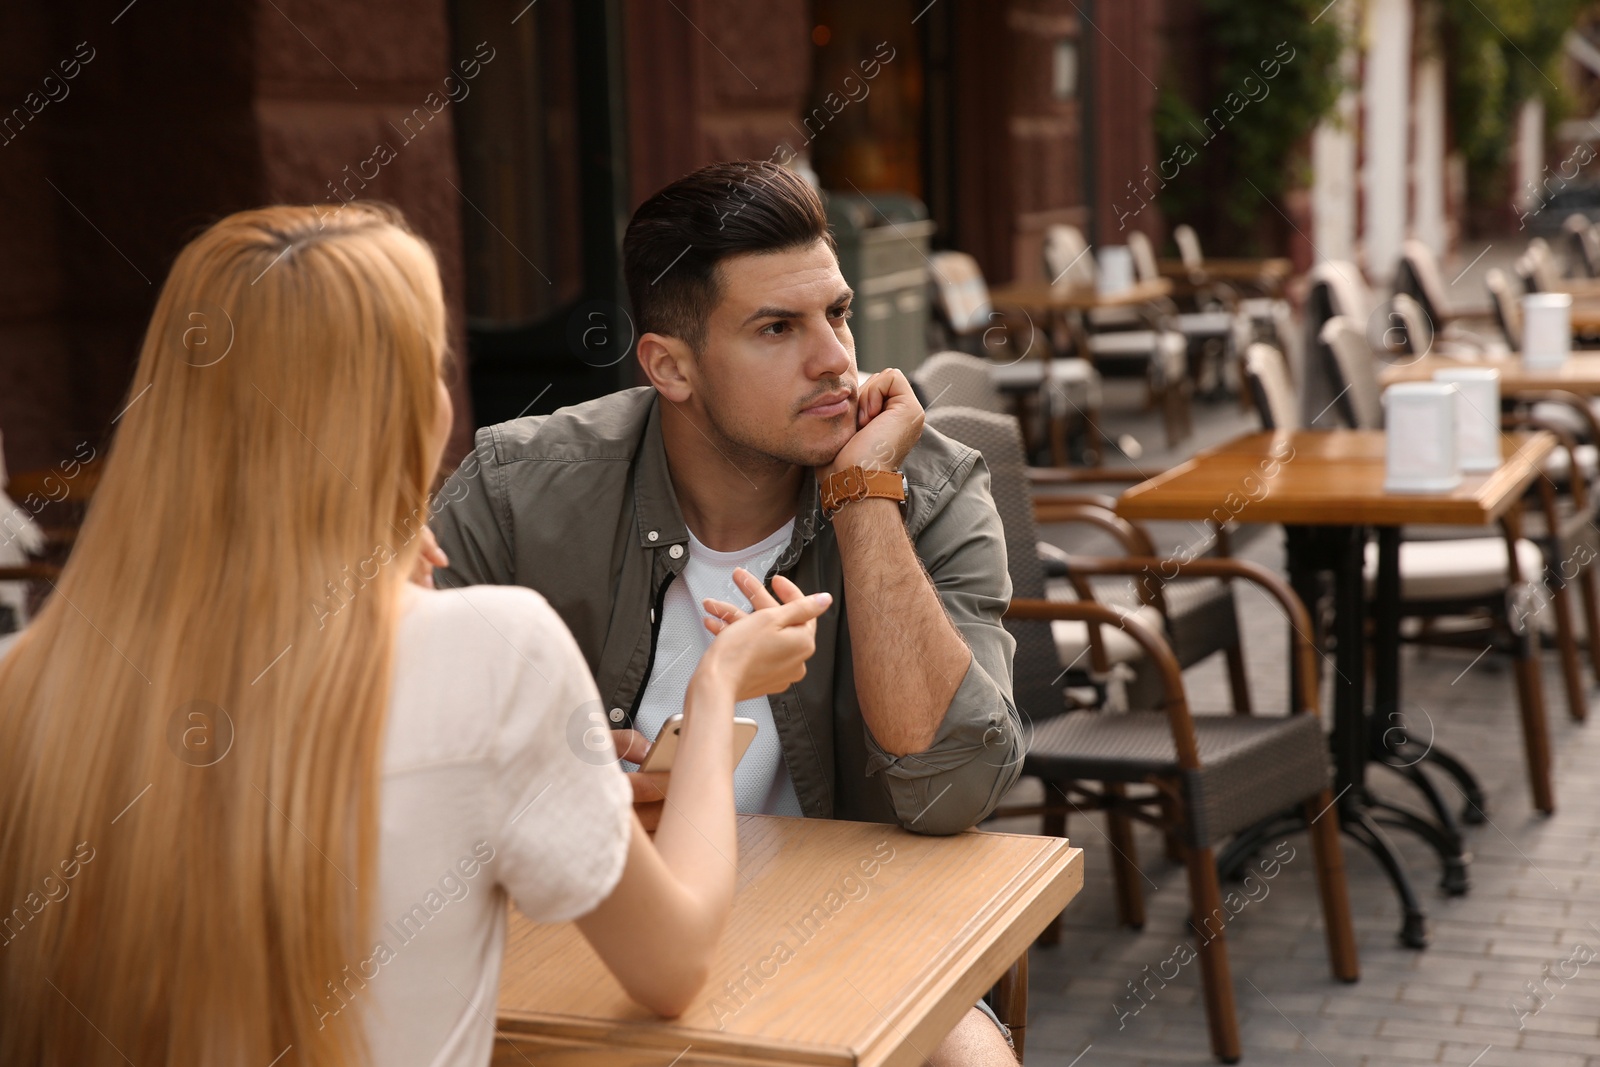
{"x": 1503, "y": 301}
{"x": 1198, "y": 779}
{"x": 1564, "y": 534}
{"x": 1127, "y": 340}
{"x": 40, "y": 512}
{"x": 1198, "y": 617}
{"x": 1215, "y": 336}
{"x": 1584, "y": 242}
{"x": 1471, "y": 575}
{"x": 1417, "y": 276}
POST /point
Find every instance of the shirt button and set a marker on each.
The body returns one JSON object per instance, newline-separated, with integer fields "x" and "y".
{"x": 676, "y": 551}
{"x": 616, "y": 715}
{"x": 652, "y": 536}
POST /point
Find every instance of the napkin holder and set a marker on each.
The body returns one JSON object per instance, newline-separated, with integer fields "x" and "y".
{"x": 1546, "y": 330}
{"x": 1420, "y": 437}
{"x": 1477, "y": 415}
{"x": 1114, "y": 270}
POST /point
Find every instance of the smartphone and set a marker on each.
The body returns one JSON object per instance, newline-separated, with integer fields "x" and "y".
{"x": 665, "y": 750}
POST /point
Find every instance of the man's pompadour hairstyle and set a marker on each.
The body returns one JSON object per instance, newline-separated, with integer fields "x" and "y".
{"x": 678, "y": 236}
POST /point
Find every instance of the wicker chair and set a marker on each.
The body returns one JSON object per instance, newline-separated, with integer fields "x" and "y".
{"x": 1197, "y": 616}
{"x": 1476, "y": 575}
{"x": 1559, "y": 532}
{"x": 1585, "y": 243}
{"x": 1127, "y": 340}
{"x": 1200, "y": 779}
{"x": 1417, "y": 276}
{"x": 961, "y": 299}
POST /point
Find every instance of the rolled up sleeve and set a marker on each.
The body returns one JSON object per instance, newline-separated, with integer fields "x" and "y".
{"x": 977, "y": 752}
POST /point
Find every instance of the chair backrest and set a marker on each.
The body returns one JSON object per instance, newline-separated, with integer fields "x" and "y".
{"x": 959, "y": 291}
{"x": 1583, "y": 242}
{"x": 1036, "y": 669}
{"x": 1545, "y": 273}
{"x": 957, "y": 380}
{"x": 1336, "y": 288}
{"x": 1419, "y": 278}
{"x": 1409, "y": 327}
{"x": 1066, "y": 256}
{"x": 1144, "y": 257}
{"x": 1507, "y": 308}
{"x": 1348, "y": 294}
{"x": 1271, "y": 387}
{"x": 1353, "y": 368}
{"x": 1188, "y": 243}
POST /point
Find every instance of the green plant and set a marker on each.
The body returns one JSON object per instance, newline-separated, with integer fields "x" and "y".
{"x": 1239, "y": 154}
{"x": 1498, "y": 54}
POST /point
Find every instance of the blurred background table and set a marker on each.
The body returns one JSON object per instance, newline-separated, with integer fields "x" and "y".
{"x": 875, "y": 968}
{"x": 1579, "y": 374}
{"x": 1327, "y": 488}
{"x": 1044, "y": 297}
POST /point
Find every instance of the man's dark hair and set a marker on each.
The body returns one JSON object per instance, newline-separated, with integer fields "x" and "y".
{"x": 678, "y": 236}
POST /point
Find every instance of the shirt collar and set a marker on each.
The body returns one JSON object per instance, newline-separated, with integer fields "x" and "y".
{"x": 660, "y": 521}
{"x": 656, "y": 503}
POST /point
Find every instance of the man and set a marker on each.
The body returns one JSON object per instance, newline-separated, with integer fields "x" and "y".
{"x": 756, "y": 445}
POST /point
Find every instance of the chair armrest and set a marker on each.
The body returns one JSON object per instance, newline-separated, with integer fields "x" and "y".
{"x": 1577, "y": 483}
{"x": 1130, "y": 538}
{"x": 1176, "y": 704}
{"x": 1566, "y": 398}
{"x": 1091, "y": 500}
{"x": 1077, "y": 475}
{"x": 49, "y": 482}
{"x": 30, "y": 572}
{"x": 1054, "y": 560}
{"x": 1162, "y": 570}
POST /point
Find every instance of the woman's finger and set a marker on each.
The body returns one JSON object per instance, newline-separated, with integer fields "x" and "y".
{"x": 753, "y": 590}
{"x": 722, "y": 609}
{"x": 804, "y": 610}
{"x": 787, "y": 591}
{"x": 431, "y": 550}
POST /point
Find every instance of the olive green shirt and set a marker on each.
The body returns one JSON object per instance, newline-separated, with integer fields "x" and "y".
{"x": 579, "y": 506}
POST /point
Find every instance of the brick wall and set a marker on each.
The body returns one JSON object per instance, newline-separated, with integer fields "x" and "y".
{"x": 184, "y": 114}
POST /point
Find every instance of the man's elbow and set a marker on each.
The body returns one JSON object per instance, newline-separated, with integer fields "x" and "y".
{"x": 968, "y": 795}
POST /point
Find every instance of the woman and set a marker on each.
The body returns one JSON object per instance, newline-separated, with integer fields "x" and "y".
{"x": 258, "y": 792}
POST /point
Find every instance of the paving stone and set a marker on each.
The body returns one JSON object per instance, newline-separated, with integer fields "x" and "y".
{"x": 1535, "y": 889}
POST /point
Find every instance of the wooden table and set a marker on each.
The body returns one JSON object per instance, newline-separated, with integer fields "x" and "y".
{"x": 1332, "y": 477}
{"x": 1266, "y": 274}
{"x": 1579, "y": 374}
{"x": 1586, "y": 316}
{"x": 875, "y": 968}
{"x": 1326, "y": 488}
{"x": 1044, "y": 297}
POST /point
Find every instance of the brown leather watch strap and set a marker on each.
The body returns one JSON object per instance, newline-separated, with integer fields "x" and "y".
{"x": 857, "y": 483}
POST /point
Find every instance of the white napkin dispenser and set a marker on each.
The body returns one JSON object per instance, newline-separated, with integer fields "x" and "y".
{"x": 1420, "y": 432}
{"x": 1114, "y": 270}
{"x": 1546, "y": 330}
{"x": 1477, "y": 416}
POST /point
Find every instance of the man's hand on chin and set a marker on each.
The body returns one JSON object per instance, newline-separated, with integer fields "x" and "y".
{"x": 888, "y": 424}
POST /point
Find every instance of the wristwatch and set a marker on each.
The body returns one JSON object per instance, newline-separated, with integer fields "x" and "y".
{"x": 857, "y": 483}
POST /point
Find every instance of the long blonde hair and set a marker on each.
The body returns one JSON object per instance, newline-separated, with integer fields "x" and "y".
{"x": 190, "y": 731}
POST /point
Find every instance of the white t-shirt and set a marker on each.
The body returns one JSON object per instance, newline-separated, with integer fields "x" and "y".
{"x": 498, "y": 777}
{"x": 761, "y": 783}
